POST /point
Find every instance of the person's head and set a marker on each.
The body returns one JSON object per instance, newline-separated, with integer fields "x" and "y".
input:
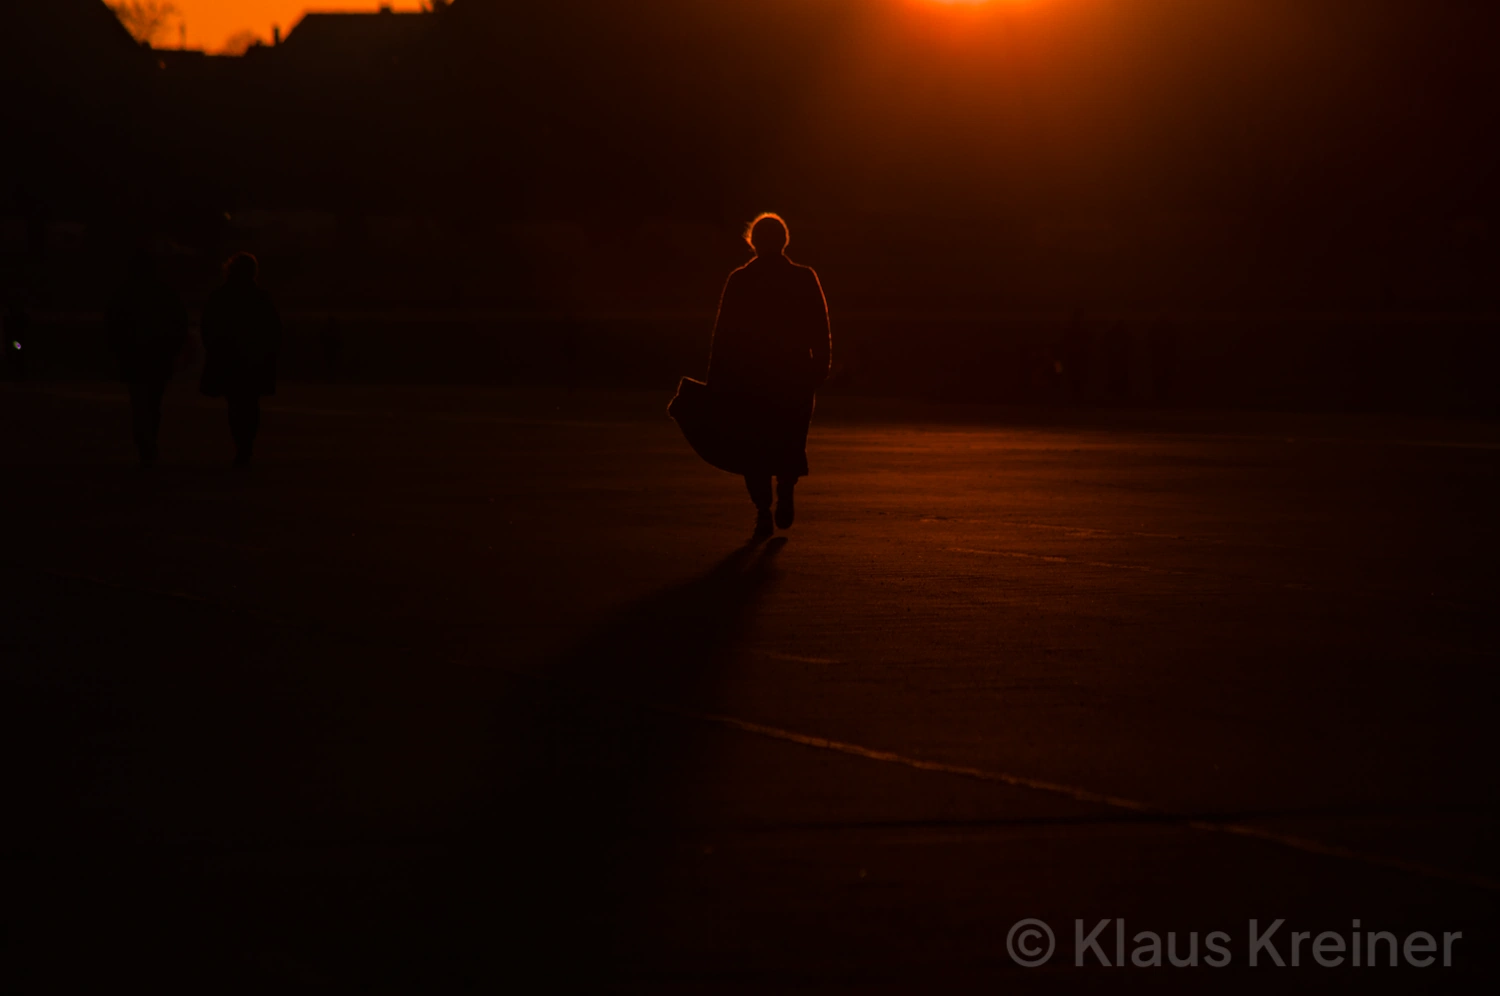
{"x": 242, "y": 268}
{"x": 141, "y": 266}
{"x": 767, "y": 235}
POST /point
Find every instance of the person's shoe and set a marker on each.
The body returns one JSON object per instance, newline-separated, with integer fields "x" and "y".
{"x": 242, "y": 461}
{"x": 763, "y": 527}
{"x": 786, "y": 511}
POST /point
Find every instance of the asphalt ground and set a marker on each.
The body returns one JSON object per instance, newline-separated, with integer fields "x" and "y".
{"x": 484, "y": 689}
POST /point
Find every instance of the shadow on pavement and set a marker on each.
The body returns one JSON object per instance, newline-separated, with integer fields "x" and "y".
{"x": 196, "y": 823}
{"x": 585, "y": 773}
{"x": 531, "y": 885}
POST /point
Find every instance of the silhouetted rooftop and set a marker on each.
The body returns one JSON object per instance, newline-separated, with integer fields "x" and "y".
{"x": 339, "y": 42}
{"x": 73, "y": 41}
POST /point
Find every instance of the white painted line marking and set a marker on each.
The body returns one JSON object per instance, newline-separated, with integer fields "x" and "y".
{"x": 1085, "y": 795}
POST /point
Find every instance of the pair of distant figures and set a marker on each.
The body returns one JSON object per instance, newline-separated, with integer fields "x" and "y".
{"x": 148, "y": 327}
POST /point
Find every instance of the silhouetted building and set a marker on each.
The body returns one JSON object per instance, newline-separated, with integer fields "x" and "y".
{"x": 75, "y": 85}
{"x": 350, "y": 45}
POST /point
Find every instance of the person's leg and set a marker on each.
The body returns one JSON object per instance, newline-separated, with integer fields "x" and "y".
{"x": 237, "y": 425}
{"x": 759, "y": 486}
{"x": 138, "y": 421}
{"x": 786, "y": 511}
{"x": 253, "y": 428}
{"x": 244, "y": 421}
{"x": 145, "y": 418}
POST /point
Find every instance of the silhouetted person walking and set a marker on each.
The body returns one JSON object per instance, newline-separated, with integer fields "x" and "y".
{"x": 332, "y": 341}
{"x": 147, "y": 328}
{"x": 17, "y": 339}
{"x": 771, "y": 352}
{"x": 241, "y": 336}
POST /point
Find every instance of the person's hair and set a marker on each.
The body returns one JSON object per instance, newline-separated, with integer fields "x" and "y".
{"x": 772, "y": 227}
{"x": 242, "y": 266}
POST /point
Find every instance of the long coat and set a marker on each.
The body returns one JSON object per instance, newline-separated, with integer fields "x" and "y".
{"x": 241, "y": 337}
{"x": 771, "y": 352}
{"x": 147, "y": 328}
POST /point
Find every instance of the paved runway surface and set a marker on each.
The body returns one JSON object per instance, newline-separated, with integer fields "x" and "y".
{"x": 463, "y": 688}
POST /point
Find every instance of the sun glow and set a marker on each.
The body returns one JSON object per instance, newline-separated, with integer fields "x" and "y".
{"x": 978, "y": 8}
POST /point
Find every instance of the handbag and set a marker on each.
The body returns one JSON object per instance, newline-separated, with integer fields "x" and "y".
{"x": 715, "y": 427}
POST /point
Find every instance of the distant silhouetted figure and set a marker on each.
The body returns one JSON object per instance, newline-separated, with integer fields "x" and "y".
{"x": 1163, "y": 345}
{"x": 147, "y": 328}
{"x": 771, "y": 352}
{"x": 241, "y": 336}
{"x": 331, "y": 339}
{"x": 17, "y": 339}
{"x": 1117, "y": 362}
{"x": 1077, "y": 356}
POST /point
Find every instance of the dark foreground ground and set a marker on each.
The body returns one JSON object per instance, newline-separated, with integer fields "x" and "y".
{"x": 481, "y": 689}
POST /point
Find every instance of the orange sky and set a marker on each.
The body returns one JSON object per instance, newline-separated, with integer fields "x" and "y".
{"x": 211, "y": 22}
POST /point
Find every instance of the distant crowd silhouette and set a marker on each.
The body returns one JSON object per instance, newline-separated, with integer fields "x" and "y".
{"x": 772, "y": 350}
{"x": 148, "y": 326}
